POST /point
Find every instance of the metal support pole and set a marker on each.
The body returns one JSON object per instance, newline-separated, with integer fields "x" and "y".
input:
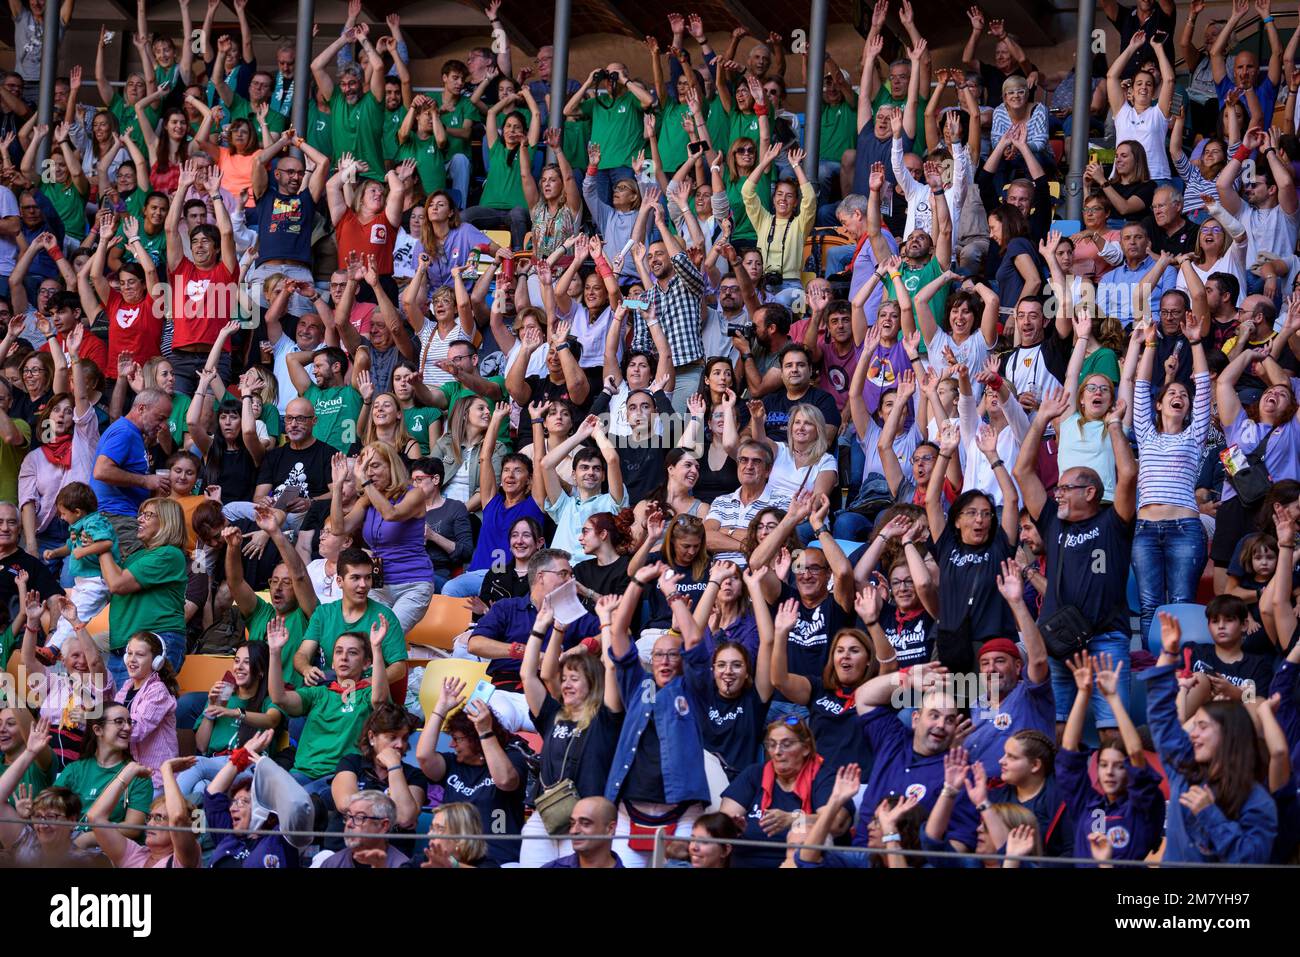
{"x": 49, "y": 70}
{"x": 1082, "y": 98}
{"x": 813, "y": 98}
{"x": 559, "y": 67}
{"x": 302, "y": 66}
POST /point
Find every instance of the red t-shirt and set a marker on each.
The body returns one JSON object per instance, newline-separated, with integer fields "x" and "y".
{"x": 136, "y": 329}
{"x": 202, "y": 301}
{"x": 92, "y": 348}
{"x": 375, "y": 238}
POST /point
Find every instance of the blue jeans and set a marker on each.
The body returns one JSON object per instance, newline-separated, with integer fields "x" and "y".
{"x": 852, "y": 526}
{"x": 319, "y": 787}
{"x": 458, "y": 169}
{"x": 1168, "y": 558}
{"x": 606, "y": 178}
{"x": 1114, "y": 643}
{"x": 838, "y": 259}
{"x": 189, "y": 708}
{"x": 194, "y": 780}
{"x": 173, "y": 648}
{"x": 55, "y": 536}
{"x": 466, "y": 585}
{"x": 784, "y": 709}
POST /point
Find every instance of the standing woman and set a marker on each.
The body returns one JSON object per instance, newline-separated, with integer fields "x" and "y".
{"x": 232, "y": 452}
{"x": 802, "y": 462}
{"x": 575, "y": 707}
{"x": 504, "y": 203}
{"x": 725, "y": 611}
{"x": 970, "y": 550}
{"x": 170, "y": 151}
{"x": 1080, "y": 413}
{"x": 368, "y": 225}
{"x": 1019, "y": 268}
{"x": 1143, "y": 114}
{"x": 446, "y": 241}
{"x": 383, "y": 420}
{"x": 730, "y": 683}
{"x": 555, "y": 207}
{"x": 390, "y": 516}
{"x": 683, "y": 553}
{"x": 148, "y": 589}
{"x": 1169, "y": 542}
{"x": 1218, "y": 809}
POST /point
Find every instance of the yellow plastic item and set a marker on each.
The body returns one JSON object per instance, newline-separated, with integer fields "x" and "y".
{"x": 470, "y": 672}
{"x": 445, "y": 618}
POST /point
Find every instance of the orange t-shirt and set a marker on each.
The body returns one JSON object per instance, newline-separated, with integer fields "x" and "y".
{"x": 375, "y": 238}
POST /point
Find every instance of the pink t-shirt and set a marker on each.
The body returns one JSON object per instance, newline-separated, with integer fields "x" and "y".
{"x": 836, "y": 371}
{"x": 137, "y": 856}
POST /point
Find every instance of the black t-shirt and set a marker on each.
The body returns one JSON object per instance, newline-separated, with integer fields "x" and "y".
{"x": 1256, "y": 668}
{"x": 236, "y": 474}
{"x": 368, "y": 779}
{"x": 732, "y": 728}
{"x": 503, "y": 584}
{"x": 810, "y": 640}
{"x": 22, "y": 406}
{"x": 643, "y": 467}
{"x": 747, "y": 791}
{"x": 308, "y": 469}
{"x": 992, "y": 78}
{"x": 39, "y": 579}
{"x": 645, "y": 778}
{"x": 968, "y": 584}
{"x": 1053, "y": 351}
{"x": 713, "y": 483}
{"x": 661, "y": 615}
{"x": 589, "y": 755}
{"x": 1145, "y": 191}
{"x": 1182, "y": 241}
{"x": 911, "y": 637}
{"x": 1092, "y": 559}
{"x": 542, "y": 389}
{"x": 608, "y": 579}
{"x": 836, "y": 728}
{"x": 1128, "y": 23}
{"x": 502, "y": 812}
{"x": 777, "y": 405}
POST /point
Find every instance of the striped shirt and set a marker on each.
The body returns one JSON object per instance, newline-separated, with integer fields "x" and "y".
{"x": 1036, "y": 132}
{"x": 1169, "y": 462}
{"x": 678, "y": 310}
{"x": 153, "y": 724}
{"x": 733, "y": 515}
{"x": 1197, "y": 190}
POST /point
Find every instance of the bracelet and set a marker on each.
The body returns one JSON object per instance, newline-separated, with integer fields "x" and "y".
{"x": 487, "y": 737}
{"x": 746, "y": 356}
{"x": 895, "y": 275}
{"x": 891, "y": 839}
{"x": 538, "y": 634}
{"x": 592, "y": 170}
{"x": 516, "y": 650}
{"x": 983, "y": 806}
{"x": 944, "y": 455}
{"x": 367, "y": 483}
{"x": 995, "y": 463}
{"x": 760, "y": 109}
{"x": 874, "y": 621}
{"x": 1193, "y": 342}
{"x": 1267, "y": 19}
{"x": 241, "y": 759}
{"x": 437, "y": 714}
{"x": 395, "y": 768}
{"x": 891, "y": 658}
{"x": 950, "y": 791}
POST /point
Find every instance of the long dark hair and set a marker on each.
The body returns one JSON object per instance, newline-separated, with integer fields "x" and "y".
{"x": 90, "y": 743}
{"x": 1237, "y": 765}
{"x": 217, "y": 448}
{"x": 259, "y": 666}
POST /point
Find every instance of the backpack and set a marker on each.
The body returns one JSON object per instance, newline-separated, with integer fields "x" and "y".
{"x": 223, "y": 636}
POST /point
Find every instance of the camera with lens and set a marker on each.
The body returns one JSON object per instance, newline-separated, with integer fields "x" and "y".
{"x": 740, "y": 327}
{"x": 772, "y": 280}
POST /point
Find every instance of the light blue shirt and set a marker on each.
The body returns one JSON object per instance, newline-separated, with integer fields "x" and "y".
{"x": 571, "y": 513}
{"x": 1118, "y": 288}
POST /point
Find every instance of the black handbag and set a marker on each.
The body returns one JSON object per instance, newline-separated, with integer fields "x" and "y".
{"x": 1066, "y": 631}
{"x": 1252, "y": 482}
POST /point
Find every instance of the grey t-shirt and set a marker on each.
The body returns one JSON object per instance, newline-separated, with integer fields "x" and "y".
{"x": 29, "y": 34}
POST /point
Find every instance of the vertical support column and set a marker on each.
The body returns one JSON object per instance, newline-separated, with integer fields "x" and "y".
{"x": 559, "y": 67}
{"x": 1082, "y": 98}
{"x": 813, "y": 98}
{"x": 302, "y": 66}
{"x": 49, "y": 70}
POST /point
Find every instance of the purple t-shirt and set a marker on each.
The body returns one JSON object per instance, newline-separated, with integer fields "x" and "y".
{"x": 884, "y": 367}
{"x": 1281, "y": 457}
{"x": 455, "y": 252}
{"x": 400, "y": 546}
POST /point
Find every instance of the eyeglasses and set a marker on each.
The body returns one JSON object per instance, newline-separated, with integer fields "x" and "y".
{"x": 299, "y": 418}
{"x": 1165, "y": 314}
{"x": 901, "y": 583}
{"x": 39, "y": 819}
{"x": 149, "y": 514}
{"x": 563, "y": 574}
{"x": 1212, "y": 230}
{"x": 121, "y": 722}
{"x": 665, "y": 655}
{"x": 1069, "y": 488}
{"x": 362, "y": 819}
{"x": 1098, "y": 387}
{"x": 746, "y": 149}
{"x": 975, "y": 513}
{"x": 780, "y": 747}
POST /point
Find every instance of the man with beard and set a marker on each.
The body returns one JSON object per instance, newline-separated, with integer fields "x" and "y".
{"x": 796, "y": 378}
{"x": 1039, "y": 362}
{"x": 356, "y": 115}
{"x": 674, "y": 296}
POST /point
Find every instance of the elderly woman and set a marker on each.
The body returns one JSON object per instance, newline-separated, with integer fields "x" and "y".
{"x": 148, "y": 589}
{"x": 1018, "y": 107}
{"x": 67, "y": 455}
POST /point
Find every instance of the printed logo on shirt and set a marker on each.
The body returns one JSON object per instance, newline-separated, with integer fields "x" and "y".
{"x": 915, "y": 791}
{"x": 286, "y": 216}
{"x": 1119, "y": 837}
{"x": 829, "y": 705}
{"x": 127, "y": 317}
{"x": 196, "y": 289}
{"x": 683, "y": 708}
{"x": 810, "y": 632}
{"x": 718, "y": 718}
{"x": 469, "y": 790}
{"x": 271, "y": 860}
{"x": 378, "y": 234}
{"x": 881, "y": 371}
{"x": 1002, "y": 721}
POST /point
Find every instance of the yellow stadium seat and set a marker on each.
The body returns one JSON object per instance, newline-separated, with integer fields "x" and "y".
{"x": 499, "y": 236}
{"x": 445, "y": 618}
{"x": 201, "y": 672}
{"x": 470, "y": 672}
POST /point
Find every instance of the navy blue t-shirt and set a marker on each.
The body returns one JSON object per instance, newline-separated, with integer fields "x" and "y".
{"x": 1055, "y": 824}
{"x": 1092, "y": 559}
{"x": 585, "y": 758}
{"x": 1134, "y": 823}
{"x": 284, "y": 225}
{"x": 747, "y": 791}
{"x": 732, "y": 727}
{"x": 502, "y": 812}
{"x": 777, "y": 406}
{"x": 837, "y": 729}
{"x": 809, "y": 643}
{"x": 968, "y": 584}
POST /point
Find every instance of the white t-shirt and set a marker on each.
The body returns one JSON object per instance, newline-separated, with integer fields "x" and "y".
{"x": 1270, "y": 230}
{"x": 286, "y": 390}
{"x": 786, "y": 477}
{"x": 972, "y": 353}
{"x": 8, "y": 248}
{"x": 1151, "y": 129}
{"x": 326, "y": 586}
{"x": 1233, "y": 263}
{"x": 458, "y": 485}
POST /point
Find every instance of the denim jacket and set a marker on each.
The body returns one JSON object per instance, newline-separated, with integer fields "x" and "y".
{"x": 682, "y": 747}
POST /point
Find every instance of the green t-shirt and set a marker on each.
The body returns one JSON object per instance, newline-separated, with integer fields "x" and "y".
{"x": 156, "y": 247}
{"x": 1101, "y": 362}
{"x": 430, "y": 161}
{"x": 358, "y": 128}
{"x": 11, "y": 460}
{"x": 503, "y": 188}
{"x": 839, "y": 130}
{"x": 35, "y": 776}
{"x": 225, "y": 731}
{"x": 70, "y": 203}
{"x": 617, "y": 126}
{"x": 672, "y": 138}
{"x": 271, "y": 417}
{"x": 719, "y": 124}
{"x": 98, "y": 528}
{"x": 743, "y": 124}
{"x": 573, "y": 142}
{"x": 465, "y": 112}
{"x": 338, "y": 412}
{"x": 176, "y": 421}
{"x": 885, "y": 98}
{"x": 743, "y": 228}
{"x": 134, "y": 202}
{"x": 327, "y": 623}
{"x": 87, "y": 779}
{"x": 333, "y": 727}
{"x": 295, "y": 623}
{"x": 241, "y": 109}
{"x": 392, "y": 123}
{"x": 128, "y": 123}
{"x": 418, "y": 421}
{"x": 7, "y": 645}
{"x": 160, "y": 605}
{"x": 318, "y": 129}
{"x": 915, "y": 279}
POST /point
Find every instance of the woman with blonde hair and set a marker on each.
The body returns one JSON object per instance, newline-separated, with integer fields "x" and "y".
{"x": 575, "y": 707}
{"x": 367, "y": 223}
{"x": 458, "y": 449}
{"x": 446, "y": 847}
{"x": 390, "y": 515}
{"x": 801, "y": 462}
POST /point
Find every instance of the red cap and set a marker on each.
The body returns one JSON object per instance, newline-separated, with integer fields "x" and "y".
{"x": 1004, "y": 645}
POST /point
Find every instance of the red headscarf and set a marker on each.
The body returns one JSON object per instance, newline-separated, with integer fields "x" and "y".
{"x": 802, "y": 784}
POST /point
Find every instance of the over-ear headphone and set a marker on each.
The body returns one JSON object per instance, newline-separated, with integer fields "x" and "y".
{"x": 158, "y": 659}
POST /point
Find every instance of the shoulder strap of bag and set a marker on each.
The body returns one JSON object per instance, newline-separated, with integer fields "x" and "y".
{"x": 563, "y": 763}
{"x": 1257, "y": 453}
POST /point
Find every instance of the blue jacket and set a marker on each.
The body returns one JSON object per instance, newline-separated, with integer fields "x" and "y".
{"x": 1210, "y": 835}
{"x": 681, "y": 744}
{"x": 260, "y": 849}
